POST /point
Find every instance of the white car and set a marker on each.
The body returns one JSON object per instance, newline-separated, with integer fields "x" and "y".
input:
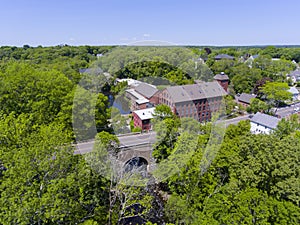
{"x": 296, "y": 109}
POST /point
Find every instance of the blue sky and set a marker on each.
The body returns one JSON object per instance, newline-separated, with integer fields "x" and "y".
{"x": 97, "y": 22}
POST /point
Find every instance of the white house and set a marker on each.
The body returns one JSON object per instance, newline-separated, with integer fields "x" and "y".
{"x": 294, "y": 76}
{"x": 250, "y": 60}
{"x": 263, "y": 124}
{"x": 295, "y": 93}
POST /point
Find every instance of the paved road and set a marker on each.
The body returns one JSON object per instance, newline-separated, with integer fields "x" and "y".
{"x": 146, "y": 138}
{"x": 283, "y": 112}
{"x": 235, "y": 120}
{"x": 139, "y": 139}
{"x": 125, "y": 141}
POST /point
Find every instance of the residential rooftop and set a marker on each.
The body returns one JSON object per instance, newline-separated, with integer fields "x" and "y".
{"x": 139, "y": 98}
{"x": 246, "y": 98}
{"x": 265, "y": 120}
{"x": 293, "y": 90}
{"x": 223, "y": 56}
{"x": 145, "y": 114}
{"x": 295, "y": 73}
{"x": 146, "y": 90}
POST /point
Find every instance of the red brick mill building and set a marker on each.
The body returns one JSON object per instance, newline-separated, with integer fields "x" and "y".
{"x": 196, "y": 101}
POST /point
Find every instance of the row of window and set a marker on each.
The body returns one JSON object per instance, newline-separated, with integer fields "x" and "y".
{"x": 196, "y": 115}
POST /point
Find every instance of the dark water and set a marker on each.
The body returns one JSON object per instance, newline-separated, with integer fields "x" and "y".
{"x": 121, "y": 103}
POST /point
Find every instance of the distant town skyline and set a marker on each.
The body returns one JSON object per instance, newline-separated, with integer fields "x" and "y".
{"x": 116, "y": 22}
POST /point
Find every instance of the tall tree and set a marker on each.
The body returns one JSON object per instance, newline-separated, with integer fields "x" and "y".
{"x": 45, "y": 183}
{"x": 276, "y": 92}
{"x": 40, "y": 92}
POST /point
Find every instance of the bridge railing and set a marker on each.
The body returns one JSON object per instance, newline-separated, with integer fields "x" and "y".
{"x": 129, "y": 147}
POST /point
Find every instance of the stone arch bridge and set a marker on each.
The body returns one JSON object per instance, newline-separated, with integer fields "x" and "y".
{"x": 136, "y": 145}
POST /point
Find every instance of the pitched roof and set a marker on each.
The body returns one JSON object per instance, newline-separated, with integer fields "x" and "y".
{"x": 185, "y": 93}
{"x": 193, "y": 92}
{"x": 139, "y": 99}
{"x": 295, "y": 73}
{"x": 212, "y": 89}
{"x": 265, "y": 120}
{"x": 293, "y": 90}
{"x": 221, "y": 76}
{"x": 224, "y": 56}
{"x": 246, "y": 98}
{"x": 146, "y": 90}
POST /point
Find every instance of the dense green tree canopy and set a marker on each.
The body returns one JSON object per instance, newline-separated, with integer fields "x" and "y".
{"x": 25, "y": 89}
{"x": 201, "y": 176}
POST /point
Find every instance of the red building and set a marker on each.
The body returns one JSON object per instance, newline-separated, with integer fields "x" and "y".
{"x": 149, "y": 92}
{"x": 197, "y": 101}
{"x": 142, "y": 118}
{"x": 223, "y": 80}
{"x": 142, "y": 96}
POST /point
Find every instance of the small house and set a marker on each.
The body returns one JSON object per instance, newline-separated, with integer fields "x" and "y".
{"x": 294, "y": 91}
{"x": 245, "y": 99}
{"x": 224, "y": 56}
{"x": 263, "y": 124}
{"x": 142, "y": 118}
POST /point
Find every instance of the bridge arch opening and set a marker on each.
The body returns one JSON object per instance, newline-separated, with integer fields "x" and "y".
{"x": 136, "y": 163}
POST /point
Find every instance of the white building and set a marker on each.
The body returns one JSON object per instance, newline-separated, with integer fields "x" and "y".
{"x": 294, "y": 91}
{"x": 263, "y": 123}
{"x": 130, "y": 82}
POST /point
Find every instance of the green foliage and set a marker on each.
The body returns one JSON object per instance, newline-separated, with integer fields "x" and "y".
{"x": 136, "y": 129}
{"x": 276, "y": 92}
{"x": 65, "y": 59}
{"x": 245, "y": 78}
{"x": 167, "y": 133}
{"x": 248, "y": 179}
{"x": 46, "y": 183}
{"x": 25, "y": 89}
{"x": 117, "y": 89}
{"x": 274, "y": 69}
{"x": 176, "y": 64}
{"x": 229, "y": 104}
{"x": 257, "y": 105}
{"x": 119, "y": 122}
{"x": 286, "y": 127}
{"x": 162, "y": 112}
{"x": 89, "y": 113}
{"x": 224, "y": 65}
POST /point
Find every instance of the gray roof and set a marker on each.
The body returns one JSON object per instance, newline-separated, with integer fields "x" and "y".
{"x": 146, "y": 90}
{"x": 221, "y": 76}
{"x": 265, "y": 120}
{"x": 295, "y": 73}
{"x": 293, "y": 90}
{"x": 246, "y": 98}
{"x": 194, "y": 92}
{"x": 255, "y": 56}
{"x": 224, "y": 56}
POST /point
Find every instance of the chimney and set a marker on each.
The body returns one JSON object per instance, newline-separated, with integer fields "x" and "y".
{"x": 223, "y": 80}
